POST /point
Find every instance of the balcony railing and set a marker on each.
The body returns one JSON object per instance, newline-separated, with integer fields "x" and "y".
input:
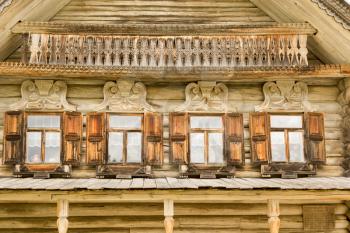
{"x": 231, "y": 49}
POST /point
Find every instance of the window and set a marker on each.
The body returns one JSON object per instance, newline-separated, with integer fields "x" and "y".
{"x": 43, "y": 138}
{"x": 206, "y": 140}
{"x": 287, "y": 144}
{"x": 125, "y": 138}
{"x": 287, "y": 138}
{"x": 42, "y": 143}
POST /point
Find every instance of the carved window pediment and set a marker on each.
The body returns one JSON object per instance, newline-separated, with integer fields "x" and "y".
{"x": 125, "y": 96}
{"x": 43, "y": 95}
{"x": 285, "y": 95}
{"x": 205, "y": 96}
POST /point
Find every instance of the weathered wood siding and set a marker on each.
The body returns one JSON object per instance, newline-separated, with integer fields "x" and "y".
{"x": 244, "y": 97}
{"x": 169, "y": 11}
{"x": 148, "y": 218}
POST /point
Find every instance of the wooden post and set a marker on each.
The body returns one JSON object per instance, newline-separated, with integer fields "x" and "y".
{"x": 168, "y": 214}
{"x": 273, "y": 212}
{"x": 62, "y": 215}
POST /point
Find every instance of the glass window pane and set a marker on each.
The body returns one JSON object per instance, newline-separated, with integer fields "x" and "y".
{"x": 197, "y": 147}
{"x": 278, "y": 147}
{"x": 216, "y": 148}
{"x": 52, "y": 147}
{"x": 278, "y": 121}
{"x": 44, "y": 121}
{"x": 34, "y": 147}
{"x": 207, "y": 122}
{"x": 134, "y": 147}
{"x": 296, "y": 146}
{"x": 123, "y": 122}
{"x": 115, "y": 147}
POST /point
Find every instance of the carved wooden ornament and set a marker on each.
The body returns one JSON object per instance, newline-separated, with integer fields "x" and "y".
{"x": 205, "y": 96}
{"x": 124, "y": 96}
{"x": 285, "y": 95}
{"x": 43, "y": 95}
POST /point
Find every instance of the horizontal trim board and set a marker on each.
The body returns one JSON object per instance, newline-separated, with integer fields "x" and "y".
{"x": 243, "y": 75}
{"x": 164, "y": 29}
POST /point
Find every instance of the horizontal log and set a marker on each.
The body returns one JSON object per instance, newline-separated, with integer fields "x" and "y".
{"x": 223, "y": 222}
{"x": 149, "y": 209}
{"x": 156, "y": 230}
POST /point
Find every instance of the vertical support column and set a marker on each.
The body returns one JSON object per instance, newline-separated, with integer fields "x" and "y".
{"x": 168, "y": 214}
{"x": 62, "y": 215}
{"x": 273, "y": 212}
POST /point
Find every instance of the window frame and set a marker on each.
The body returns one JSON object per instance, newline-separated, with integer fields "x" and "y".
{"x": 206, "y": 132}
{"x": 43, "y": 131}
{"x": 286, "y": 137}
{"x": 124, "y": 131}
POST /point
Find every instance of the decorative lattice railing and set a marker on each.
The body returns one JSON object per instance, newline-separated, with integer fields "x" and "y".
{"x": 255, "y": 48}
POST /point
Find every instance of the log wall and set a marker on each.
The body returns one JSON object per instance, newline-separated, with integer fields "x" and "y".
{"x": 244, "y": 97}
{"x": 148, "y": 218}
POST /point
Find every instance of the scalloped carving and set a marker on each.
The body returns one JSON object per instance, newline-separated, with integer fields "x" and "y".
{"x": 43, "y": 95}
{"x": 205, "y": 96}
{"x": 124, "y": 96}
{"x": 285, "y": 95}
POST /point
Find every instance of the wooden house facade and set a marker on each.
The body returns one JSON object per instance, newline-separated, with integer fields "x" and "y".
{"x": 174, "y": 116}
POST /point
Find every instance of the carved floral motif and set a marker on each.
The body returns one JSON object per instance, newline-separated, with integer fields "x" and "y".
{"x": 124, "y": 96}
{"x": 205, "y": 96}
{"x": 285, "y": 95}
{"x": 43, "y": 95}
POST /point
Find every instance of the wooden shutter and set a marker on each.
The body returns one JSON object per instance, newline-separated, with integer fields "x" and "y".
{"x": 178, "y": 137}
{"x": 234, "y": 139}
{"x": 153, "y": 136}
{"x": 95, "y": 137}
{"x": 259, "y": 137}
{"x": 315, "y": 137}
{"x": 13, "y": 137}
{"x": 72, "y": 130}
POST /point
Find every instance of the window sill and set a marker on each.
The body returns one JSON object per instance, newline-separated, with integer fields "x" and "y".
{"x": 288, "y": 170}
{"x": 122, "y": 171}
{"x": 208, "y": 171}
{"x": 42, "y": 170}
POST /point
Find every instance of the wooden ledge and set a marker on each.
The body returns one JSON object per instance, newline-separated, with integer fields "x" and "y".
{"x": 172, "y": 74}
{"x": 164, "y": 29}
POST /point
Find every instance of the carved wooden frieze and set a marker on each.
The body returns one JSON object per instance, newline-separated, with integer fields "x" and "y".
{"x": 285, "y": 95}
{"x": 124, "y": 96}
{"x": 43, "y": 95}
{"x": 205, "y": 96}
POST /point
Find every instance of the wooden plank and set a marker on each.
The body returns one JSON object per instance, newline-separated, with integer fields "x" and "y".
{"x": 124, "y": 184}
{"x": 149, "y": 184}
{"x": 162, "y": 183}
{"x": 137, "y": 183}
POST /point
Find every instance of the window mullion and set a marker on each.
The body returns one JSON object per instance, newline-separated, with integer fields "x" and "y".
{"x": 43, "y": 146}
{"x": 206, "y": 147}
{"x": 125, "y": 142}
{"x": 286, "y": 140}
